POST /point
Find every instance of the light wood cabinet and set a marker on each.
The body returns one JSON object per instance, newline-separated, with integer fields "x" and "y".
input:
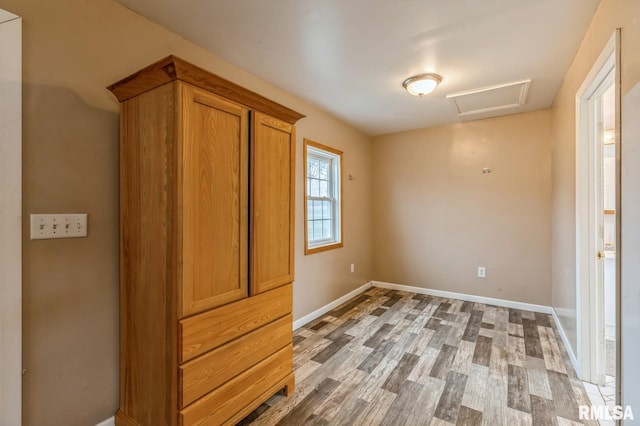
{"x": 207, "y": 176}
{"x": 272, "y": 198}
{"x": 215, "y": 203}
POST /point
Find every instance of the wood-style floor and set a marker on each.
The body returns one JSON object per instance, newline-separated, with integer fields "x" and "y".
{"x": 389, "y": 357}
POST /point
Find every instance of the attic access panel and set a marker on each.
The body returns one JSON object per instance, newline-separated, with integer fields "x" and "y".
{"x": 494, "y": 98}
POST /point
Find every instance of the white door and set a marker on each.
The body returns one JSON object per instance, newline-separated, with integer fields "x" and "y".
{"x": 10, "y": 219}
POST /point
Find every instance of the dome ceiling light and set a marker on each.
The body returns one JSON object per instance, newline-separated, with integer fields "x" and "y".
{"x": 422, "y": 84}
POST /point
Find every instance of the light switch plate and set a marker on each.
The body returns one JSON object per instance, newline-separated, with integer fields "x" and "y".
{"x": 48, "y": 226}
{"x": 482, "y": 272}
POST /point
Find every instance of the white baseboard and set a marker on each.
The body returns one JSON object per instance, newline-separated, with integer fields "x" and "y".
{"x": 111, "y": 421}
{"x": 326, "y": 308}
{"x": 565, "y": 340}
{"x": 466, "y": 297}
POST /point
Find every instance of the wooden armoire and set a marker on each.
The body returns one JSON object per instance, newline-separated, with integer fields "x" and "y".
{"x": 206, "y": 247}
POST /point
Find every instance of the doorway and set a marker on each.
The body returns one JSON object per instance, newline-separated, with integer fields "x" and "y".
{"x": 10, "y": 218}
{"x": 608, "y": 219}
{"x": 598, "y": 223}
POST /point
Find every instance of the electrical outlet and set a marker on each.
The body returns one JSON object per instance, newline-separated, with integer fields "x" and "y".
{"x": 482, "y": 272}
{"x": 353, "y": 268}
{"x": 48, "y": 226}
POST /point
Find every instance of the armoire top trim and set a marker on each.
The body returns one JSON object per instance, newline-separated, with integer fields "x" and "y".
{"x": 173, "y": 68}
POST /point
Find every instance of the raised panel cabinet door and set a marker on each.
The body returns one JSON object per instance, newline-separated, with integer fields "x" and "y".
{"x": 272, "y": 203}
{"x": 214, "y": 201}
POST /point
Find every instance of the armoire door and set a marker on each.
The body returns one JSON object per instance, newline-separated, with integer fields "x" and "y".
{"x": 214, "y": 200}
{"x": 272, "y": 203}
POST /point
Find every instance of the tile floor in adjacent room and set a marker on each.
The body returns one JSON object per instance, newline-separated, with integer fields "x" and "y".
{"x": 389, "y": 357}
{"x": 603, "y": 395}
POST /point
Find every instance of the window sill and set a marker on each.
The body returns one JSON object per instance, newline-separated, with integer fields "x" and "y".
{"x": 319, "y": 249}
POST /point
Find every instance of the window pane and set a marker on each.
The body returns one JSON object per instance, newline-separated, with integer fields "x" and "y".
{"x": 323, "y": 169}
{"x": 326, "y": 210}
{"x": 312, "y": 167}
{"x": 310, "y": 210}
{"x": 314, "y": 190}
{"x": 326, "y": 229}
{"x": 317, "y": 230}
{"x": 324, "y": 188}
{"x": 317, "y": 209}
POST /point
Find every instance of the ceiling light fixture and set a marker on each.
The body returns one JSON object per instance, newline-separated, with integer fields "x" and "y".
{"x": 422, "y": 84}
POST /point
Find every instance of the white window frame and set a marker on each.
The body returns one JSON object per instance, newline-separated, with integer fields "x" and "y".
{"x": 334, "y": 157}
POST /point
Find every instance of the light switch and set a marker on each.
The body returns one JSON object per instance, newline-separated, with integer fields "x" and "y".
{"x": 48, "y": 226}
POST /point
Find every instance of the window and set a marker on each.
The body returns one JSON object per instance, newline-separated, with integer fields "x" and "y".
{"x": 323, "y": 191}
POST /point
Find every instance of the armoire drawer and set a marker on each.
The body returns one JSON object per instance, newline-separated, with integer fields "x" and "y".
{"x": 209, "y": 371}
{"x": 201, "y": 333}
{"x": 226, "y": 401}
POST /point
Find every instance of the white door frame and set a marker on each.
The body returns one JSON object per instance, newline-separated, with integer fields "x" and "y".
{"x": 589, "y": 294}
{"x": 10, "y": 219}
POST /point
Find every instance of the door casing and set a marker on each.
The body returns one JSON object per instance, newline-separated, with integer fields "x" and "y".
{"x": 589, "y": 289}
{"x": 10, "y": 219}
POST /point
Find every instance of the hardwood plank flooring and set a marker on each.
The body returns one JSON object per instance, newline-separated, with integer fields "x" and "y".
{"x": 469, "y": 417}
{"x": 389, "y": 357}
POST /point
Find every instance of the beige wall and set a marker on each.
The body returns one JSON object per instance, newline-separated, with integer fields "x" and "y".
{"x": 72, "y": 50}
{"x": 437, "y": 217}
{"x": 325, "y": 276}
{"x": 611, "y": 14}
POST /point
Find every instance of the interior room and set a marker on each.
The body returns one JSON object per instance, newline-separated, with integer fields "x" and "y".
{"x": 464, "y": 253}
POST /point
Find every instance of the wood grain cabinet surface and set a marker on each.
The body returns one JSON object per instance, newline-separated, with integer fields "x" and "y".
{"x": 207, "y": 171}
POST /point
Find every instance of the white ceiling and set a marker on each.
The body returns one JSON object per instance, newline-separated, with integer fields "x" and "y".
{"x": 350, "y": 57}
